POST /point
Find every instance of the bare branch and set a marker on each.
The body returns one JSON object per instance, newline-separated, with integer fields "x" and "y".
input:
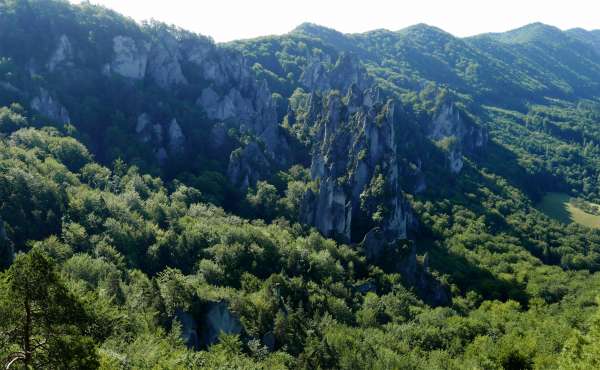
{"x": 12, "y": 358}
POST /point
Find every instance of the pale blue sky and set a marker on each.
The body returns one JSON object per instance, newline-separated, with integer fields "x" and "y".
{"x": 226, "y": 20}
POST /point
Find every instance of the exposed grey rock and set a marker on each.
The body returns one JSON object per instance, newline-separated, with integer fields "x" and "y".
{"x": 314, "y": 76}
{"x": 157, "y": 131}
{"x": 406, "y": 264}
{"x": 314, "y": 108}
{"x": 189, "y": 329}
{"x": 247, "y": 166}
{"x": 164, "y": 62}
{"x": 230, "y": 106}
{"x": 227, "y": 68}
{"x": 467, "y": 137}
{"x": 354, "y": 144}
{"x": 168, "y": 138}
{"x": 319, "y": 75}
{"x": 456, "y": 160}
{"x": 255, "y": 113}
{"x": 218, "y": 319}
{"x": 48, "y": 106}
{"x": 333, "y": 215}
{"x": 374, "y": 245}
{"x": 142, "y": 128}
{"x": 130, "y": 58}
{"x": 148, "y": 131}
{"x": 198, "y": 53}
{"x": 176, "y": 138}
{"x": 62, "y": 55}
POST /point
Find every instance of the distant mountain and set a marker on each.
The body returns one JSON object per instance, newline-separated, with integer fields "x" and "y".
{"x": 590, "y": 37}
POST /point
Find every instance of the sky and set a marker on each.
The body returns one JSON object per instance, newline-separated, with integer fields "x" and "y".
{"x": 226, "y": 20}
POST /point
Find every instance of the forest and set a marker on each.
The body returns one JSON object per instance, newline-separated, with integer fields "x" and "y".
{"x": 315, "y": 200}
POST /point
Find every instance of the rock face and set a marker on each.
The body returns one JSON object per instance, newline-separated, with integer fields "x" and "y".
{"x": 230, "y": 94}
{"x": 130, "y": 58}
{"x": 248, "y": 165}
{"x": 249, "y": 104}
{"x": 189, "y": 329}
{"x": 319, "y": 75}
{"x": 167, "y": 138}
{"x": 225, "y": 87}
{"x": 48, "y": 106}
{"x": 463, "y": 135}
{"x": 62, "y": 55}
{"x": 218, "y": 319}
{"x": 176, "y": 139}
{"x": 164, "y": 63}
{"x": 355, "y": 163}
{"x": 142, "y": 127}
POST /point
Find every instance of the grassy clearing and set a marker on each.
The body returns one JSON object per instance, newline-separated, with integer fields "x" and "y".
{"x": 559, "y": 207}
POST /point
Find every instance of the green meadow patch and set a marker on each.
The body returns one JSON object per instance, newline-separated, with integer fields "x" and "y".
{"x": 566, "y": 209}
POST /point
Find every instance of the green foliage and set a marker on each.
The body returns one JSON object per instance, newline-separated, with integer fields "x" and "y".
{"x": 11, "y": 119}
{"x": 109, "y": 254}
{"x": 43, "y": 324}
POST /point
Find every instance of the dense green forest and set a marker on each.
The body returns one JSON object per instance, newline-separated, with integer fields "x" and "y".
{"x": 314, "y": 200}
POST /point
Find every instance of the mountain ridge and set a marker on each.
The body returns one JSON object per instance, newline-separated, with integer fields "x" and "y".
{"x": 322, "y": 200}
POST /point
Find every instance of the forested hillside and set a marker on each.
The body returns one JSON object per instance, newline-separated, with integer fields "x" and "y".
{"x": 314, "y": 200}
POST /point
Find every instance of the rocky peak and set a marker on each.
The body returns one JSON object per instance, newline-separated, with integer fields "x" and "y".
{"x": 355, "y": 163}
{"x": 249, "y": 105}
{"x": 319, "y": 75}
